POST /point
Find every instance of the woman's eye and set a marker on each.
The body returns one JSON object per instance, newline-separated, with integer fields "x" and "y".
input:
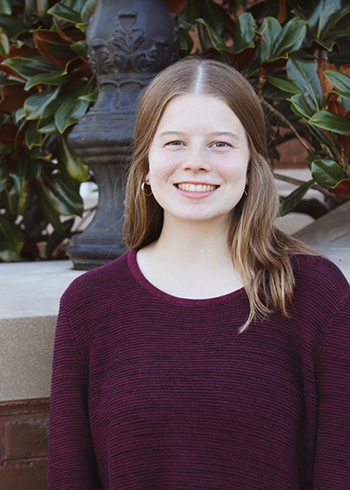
{"x": 174, "y": 143}
{"x": 220, "y": 144}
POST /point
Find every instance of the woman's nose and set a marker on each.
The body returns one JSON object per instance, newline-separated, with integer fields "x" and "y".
{"x": 197, "y": 160}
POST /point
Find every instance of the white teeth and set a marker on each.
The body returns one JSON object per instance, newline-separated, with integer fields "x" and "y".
{"x": 196, "y": 187}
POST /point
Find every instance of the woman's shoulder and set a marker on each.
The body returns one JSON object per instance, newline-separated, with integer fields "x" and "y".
{"x": 96, "y": 282}
{"x": 320, "y": 269}
{"x": 319, "y": 283}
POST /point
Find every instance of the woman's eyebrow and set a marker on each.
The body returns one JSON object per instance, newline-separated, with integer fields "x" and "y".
{"x": 214, "y": 133}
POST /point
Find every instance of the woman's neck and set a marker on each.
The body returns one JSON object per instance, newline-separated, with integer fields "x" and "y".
{"x": 190, "y": 260}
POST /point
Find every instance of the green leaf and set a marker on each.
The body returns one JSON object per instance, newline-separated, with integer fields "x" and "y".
{"x": 49, "y": 206}
{"x": 33, "y": 137}
{"x": 79, "y": 49}
{"x": 284, "y": 85}
{"x": 67, "y": 200}
{"x": 13, "y": 26}
{"x": 19, "y": 176}
{"x": 303, "y": 73}
{"x": 91, "y": 97}
{"x": 288, "y": 203}
{"x": 11, "y": 240}
{"x": 35, "y": 104}
{"x": 73, "y": 164}
{"x": 300, "y": 106}
{"x": 5, "y": 7}
{"x": 50, "y": 78}
{"x": 327, "y": 173}
{"x": 29, "y": 65}
{"x": 205, "y": 9}
{"x": 330, "y": 121}
{"x": 88, "y": 9}
{"x": 70, "y": 112}
{"x": 245, "y": 32}
{"x": 277, "y": 42}
{"x": 217, "y": 42}
{"x": 340, "y": 81}
{"x": 4, "y": 43}
{"x": 321, "y": 15}
{"x": 65, "y": 13}
{"x": 73, "y": 108}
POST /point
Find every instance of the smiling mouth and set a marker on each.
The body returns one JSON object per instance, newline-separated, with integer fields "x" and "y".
{"x": 196, "y": 187}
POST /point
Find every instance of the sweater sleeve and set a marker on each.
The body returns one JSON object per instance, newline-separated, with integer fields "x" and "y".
{"x": 332, "y": 463}
{"x": 72, "y": 464}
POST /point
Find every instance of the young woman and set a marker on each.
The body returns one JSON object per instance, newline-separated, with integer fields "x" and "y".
{"x": 214, "y": 355}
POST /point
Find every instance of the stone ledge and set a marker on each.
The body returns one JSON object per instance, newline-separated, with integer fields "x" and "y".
{"x": 30, "y": 295}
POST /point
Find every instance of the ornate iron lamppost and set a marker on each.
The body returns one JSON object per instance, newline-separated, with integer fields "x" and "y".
{"x": 128, "y": 42}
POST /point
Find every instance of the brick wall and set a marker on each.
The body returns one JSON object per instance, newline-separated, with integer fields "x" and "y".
{"x": 23, "y": 444}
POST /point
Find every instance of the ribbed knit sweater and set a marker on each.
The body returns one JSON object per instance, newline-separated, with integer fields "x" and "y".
{"x": 155, "y": 392}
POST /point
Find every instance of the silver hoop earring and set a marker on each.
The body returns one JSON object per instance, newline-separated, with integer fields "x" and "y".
{"x": 144, "y": 189}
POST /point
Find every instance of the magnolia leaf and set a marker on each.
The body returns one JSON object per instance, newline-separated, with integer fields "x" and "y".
{"x": 327, "y": 173}
{"x": 73, "y": 164}
{"x": 303, "y": 73}
{"x": 33, "y": 137}
{"x": 322, "y": 14}
{"x": 11, "y": 240}
{"x": 340, "y": 81}
{"x": 65, "y": 13}
{"x": 205, "y": 9}
{"x": 35, "y": 105}
{"x": 217, "y": 42}
{"x": 288, "y": 203}
{"x": 300, "y": 106}
{"x": 72, "y": 109}
{"x": 284, "y": 85}
{"x": 67, "y": 200}
{"x": 91, "y": 97}
{"x": 49, "y": 206}
{"x": 330, "y": 121}
{"x": 343, "y": 188}
{"x": 13, "y": 26}
{"x": 5, "y": 7}
{"x": 29, "y": 65}
{"x": 52, "y": 78}
{"x": 79, "y": 49}
{"x": 4, "y": 43}
{"x": 245, "y": 32}
{"x": 88, "y": 9}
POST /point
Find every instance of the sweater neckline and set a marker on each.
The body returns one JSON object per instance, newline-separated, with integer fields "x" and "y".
{"x": 160, "y": 294}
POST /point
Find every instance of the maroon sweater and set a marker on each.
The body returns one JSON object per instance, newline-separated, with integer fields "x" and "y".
{"x": 151, "y": 391}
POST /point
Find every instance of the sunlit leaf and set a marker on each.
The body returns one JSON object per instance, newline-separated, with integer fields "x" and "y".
{"x": 67, "y": 200}
{"x": 303, "y": 73}
{"x": 327, "y": 173}
{"x": 35, "y": 105}
{"x": 63, "y": 12}
{"x": 245, "y": 32}
{"x": 288, "y": 203}
{"x": 284, "y": 85}
{"x": 340, "y": 81}
{"x": 29, "y": 65}
{"x": 11, "y": 240}
{"x": 217, "y": 42}
{"x": 49, "y": 206}
{"x": 88, "y": 9}
{"x": 329, "y": 121}
{"x": 72, "y": 163}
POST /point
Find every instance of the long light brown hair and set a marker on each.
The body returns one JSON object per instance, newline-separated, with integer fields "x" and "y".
{"x": 260, "y": 251}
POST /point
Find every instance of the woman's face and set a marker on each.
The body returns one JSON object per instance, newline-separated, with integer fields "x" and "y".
{"x": 198, "y": 159}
